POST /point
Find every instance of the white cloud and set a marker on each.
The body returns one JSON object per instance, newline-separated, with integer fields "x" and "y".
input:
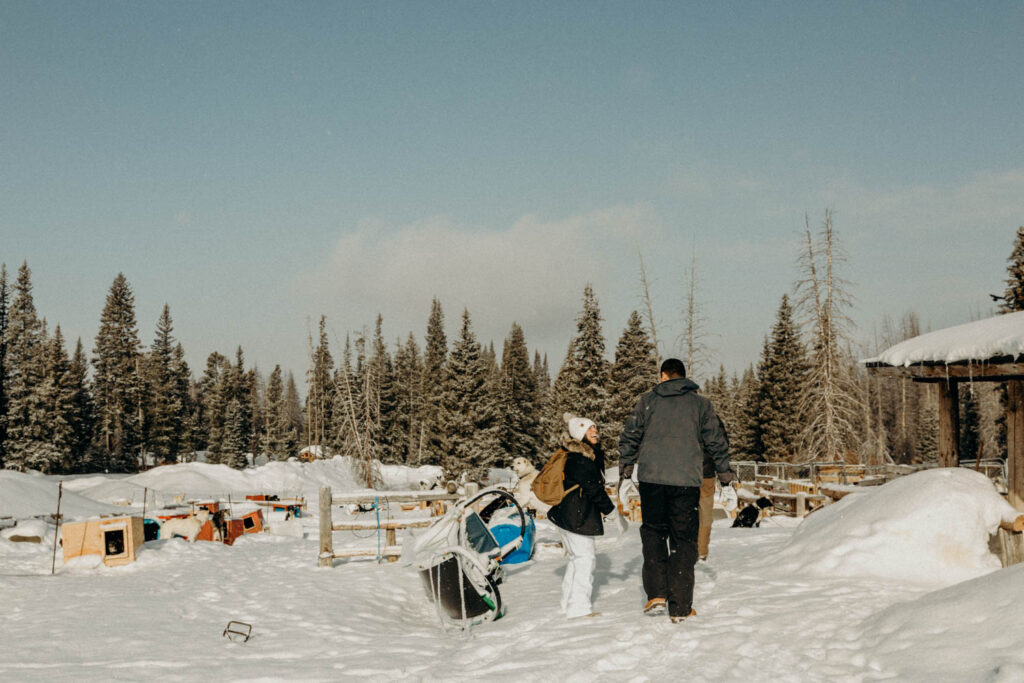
{"x": 532, "y": 272}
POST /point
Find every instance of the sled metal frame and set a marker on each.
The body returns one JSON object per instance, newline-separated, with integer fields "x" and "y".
{"x": 237, "y": 631}
{"x": 480, "y": 569}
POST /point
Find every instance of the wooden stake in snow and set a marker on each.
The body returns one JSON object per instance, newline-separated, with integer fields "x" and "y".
{"x": 56, "y": 533}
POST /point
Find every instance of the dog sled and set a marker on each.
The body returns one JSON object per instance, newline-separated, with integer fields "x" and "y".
{"x": 459, "y": 556}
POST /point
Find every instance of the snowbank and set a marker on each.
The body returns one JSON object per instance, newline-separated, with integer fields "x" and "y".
{"x": 930, "y": 528}
{"x": 1002, "y": 335}
{"x": 286, "y": 479}
{"x": 31, "y": 495}
{"x": 972, "y": 626}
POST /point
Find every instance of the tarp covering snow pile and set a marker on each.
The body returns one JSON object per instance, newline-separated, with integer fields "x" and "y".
{"x": 930, "y": 528}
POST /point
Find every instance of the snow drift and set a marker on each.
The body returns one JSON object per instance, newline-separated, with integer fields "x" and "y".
{"x": 930, "y": 528}
{"x": 34, "y": 494}
{"x": 984, "y": 612}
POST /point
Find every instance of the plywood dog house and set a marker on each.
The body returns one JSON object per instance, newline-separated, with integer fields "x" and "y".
{"x": 247, "y": 523}
{"x": 115, "y": 539}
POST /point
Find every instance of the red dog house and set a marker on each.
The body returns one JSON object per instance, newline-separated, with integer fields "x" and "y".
{"x": 248, "y": 523}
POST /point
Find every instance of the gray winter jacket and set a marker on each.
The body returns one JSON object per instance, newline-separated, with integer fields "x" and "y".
{"x": 671, "y": 429}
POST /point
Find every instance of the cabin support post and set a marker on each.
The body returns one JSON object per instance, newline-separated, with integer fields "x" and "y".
{"x": 1015, "y": 443}
{"x": 949, "y": 424}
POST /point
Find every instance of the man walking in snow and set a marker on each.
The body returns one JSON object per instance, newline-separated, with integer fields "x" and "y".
{"x": 671, "y": 429}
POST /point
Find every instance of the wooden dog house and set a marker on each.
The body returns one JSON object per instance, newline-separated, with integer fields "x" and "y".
{"x": 115, "y": 539}
{"x": 248, "y": 523}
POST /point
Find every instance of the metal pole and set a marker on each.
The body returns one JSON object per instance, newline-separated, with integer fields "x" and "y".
{"x": 60, "y": 494}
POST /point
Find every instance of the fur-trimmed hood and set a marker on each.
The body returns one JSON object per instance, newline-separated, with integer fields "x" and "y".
{"x": 575, "y": 446}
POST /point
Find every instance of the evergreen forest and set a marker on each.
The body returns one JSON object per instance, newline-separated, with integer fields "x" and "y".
{"x": 462, "y": 403}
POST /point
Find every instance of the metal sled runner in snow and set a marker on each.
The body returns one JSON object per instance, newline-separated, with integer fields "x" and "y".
{"x": 459, "y": 559}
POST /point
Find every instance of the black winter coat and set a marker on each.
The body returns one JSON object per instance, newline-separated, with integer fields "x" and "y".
{"x": 581, "y": 510}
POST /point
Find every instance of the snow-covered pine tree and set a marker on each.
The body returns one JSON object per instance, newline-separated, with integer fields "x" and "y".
{"x": 561, "y": 399}
{"x": 1013, "y": 296}
{"x": 319, "y": 390}
{"x": 275, "y": 418}
{"x": 408, "y": 425}
{"x": 182, "y": 403}
{"x": 26, "y": 445}
{"x": 245, "y": 387}
{"x": 464, "y": 403}
{"x": 830, "y": 406}
{"x": 581, "y": 387}
{"x": 970, "y": 420}
{"x": 82, "y": 417}
{"x": 541, "y": 377}
{"x": 718, "y": 391}
{"x": 5, "y": 302}
{"x": 117, "y": 385}
{"x": 636, "y": 363}
{"x": 213, "y": 394}
{"x": 926, "y": 428}
{"x": 520, "y": 431}
{"x": 57, "y": 408}
{"x": 435, "y": 360}
{"x": 166, "y": 418}
{"x": 782, "y": 376}
{"x": 235, "y": 435}
{"x": 380, "y": 384}
{"x": 745, "y": 437}
{"x": 293, "y": 411}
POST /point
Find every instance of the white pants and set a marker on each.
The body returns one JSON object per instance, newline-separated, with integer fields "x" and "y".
{"x": 579, "y": 574}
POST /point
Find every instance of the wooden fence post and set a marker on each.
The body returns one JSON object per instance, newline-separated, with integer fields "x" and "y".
{"x": 326, "y": 529}
{"x": 801, "y": 504}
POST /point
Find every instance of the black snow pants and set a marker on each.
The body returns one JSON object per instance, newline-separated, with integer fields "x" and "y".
{"x": 671, "y": 521}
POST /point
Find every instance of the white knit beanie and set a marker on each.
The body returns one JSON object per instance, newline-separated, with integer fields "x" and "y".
{"x": 578, "y": 426}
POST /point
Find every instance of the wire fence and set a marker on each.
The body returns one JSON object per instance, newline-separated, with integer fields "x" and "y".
{"x": 749, "y": 471}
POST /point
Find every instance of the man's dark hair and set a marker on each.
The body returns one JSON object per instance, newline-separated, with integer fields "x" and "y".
{"x": 673, "y": 367}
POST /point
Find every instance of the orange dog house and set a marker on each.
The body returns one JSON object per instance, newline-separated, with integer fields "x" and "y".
{"x": 248, "y": 523}
{"x": 115, "y": 539}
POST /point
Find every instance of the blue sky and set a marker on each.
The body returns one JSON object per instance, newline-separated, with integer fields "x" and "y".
{"x": 256, "y": 165}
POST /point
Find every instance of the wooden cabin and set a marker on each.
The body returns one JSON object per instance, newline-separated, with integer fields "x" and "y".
{"x": 990, "y": 350}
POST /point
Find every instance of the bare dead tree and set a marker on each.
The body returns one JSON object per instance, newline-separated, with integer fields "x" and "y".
{"x": 831, "y": 402}
{"x": 358, "y": 441}
{"x": 694, "y": 322}
{"x": 649, "y": 306}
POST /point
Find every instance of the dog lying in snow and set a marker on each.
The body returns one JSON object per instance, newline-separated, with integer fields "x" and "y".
{"x": 523, "y": 491}
{"x": 752, "y": 514}
{"x": 189, "y": 527}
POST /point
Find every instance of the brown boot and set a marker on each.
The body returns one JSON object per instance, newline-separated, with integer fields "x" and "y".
{"x": 654, "y": 607}
{"x": 681, "y": 619}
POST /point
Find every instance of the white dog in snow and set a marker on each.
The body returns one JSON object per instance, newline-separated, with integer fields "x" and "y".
{"x": 523, "y": 492}
{"x": 189, "y": 527}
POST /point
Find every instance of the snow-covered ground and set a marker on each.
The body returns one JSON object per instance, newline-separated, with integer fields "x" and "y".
{"x": 894, "y": 583}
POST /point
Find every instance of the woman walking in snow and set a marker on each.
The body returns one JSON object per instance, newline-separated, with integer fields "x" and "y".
{"x": 578, "y": 515}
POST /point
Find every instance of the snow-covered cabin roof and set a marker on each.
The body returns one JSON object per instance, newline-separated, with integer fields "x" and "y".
{"x": 998, "y": 339}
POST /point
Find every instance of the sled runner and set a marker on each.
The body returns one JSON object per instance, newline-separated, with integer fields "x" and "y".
{"x": 459, "y": 558}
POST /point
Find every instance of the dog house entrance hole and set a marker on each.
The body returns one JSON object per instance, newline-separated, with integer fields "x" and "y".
{"x": 113, "y": 541}
{"x": 248, "y": 522}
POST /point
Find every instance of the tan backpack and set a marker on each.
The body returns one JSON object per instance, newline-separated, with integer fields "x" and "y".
{"x": 549, "y": 486}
